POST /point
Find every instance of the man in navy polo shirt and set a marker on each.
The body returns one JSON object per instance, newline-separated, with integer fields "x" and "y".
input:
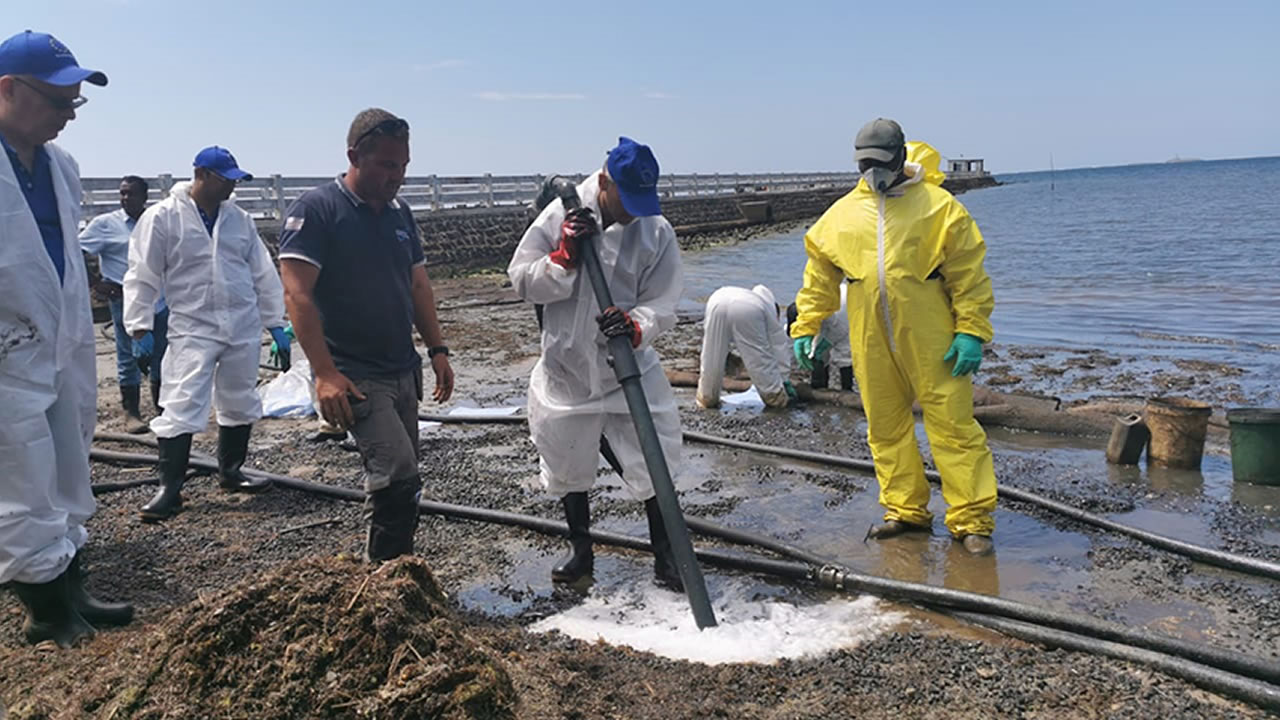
{"x": 356, "y": 286}
{"x": 48, "y": 374}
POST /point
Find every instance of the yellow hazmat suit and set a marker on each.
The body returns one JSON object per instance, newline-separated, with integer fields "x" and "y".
{"x": 914, "y": 258}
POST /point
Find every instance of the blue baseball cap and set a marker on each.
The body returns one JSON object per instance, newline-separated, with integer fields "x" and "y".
{"x": 41, "y": 56}
{"x": 221, "y": 161}
{"x": 634, "y": 170}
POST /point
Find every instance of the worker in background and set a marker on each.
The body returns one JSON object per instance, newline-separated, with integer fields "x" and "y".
{"x": 749, "y": 320}
{"x": 356, "y": 283}
{"x": 202, "y": 253}
{"x": 574, "y": 396}
{"x": 48, "y": 377}
{"x": 831, "y": 349}
{"x": 919, "y": 310}
{"x": 107, "y": 237}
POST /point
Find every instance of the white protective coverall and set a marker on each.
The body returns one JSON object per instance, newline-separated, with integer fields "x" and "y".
{"x": 749, "y": 319}
{"x": 48, "y": 384}
{"x": 835, "y": 330}
{"x": 574, "y": 396}
{"x": 222, "y": 290}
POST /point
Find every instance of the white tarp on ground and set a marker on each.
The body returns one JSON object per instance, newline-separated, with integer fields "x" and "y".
{"x": 290, "y": 394}
{"x": 485, "y": 412}
{"x": 748, "y": 399}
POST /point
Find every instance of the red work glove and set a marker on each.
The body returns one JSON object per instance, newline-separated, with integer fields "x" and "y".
{"x": 577, "y": 226}
{"x": 615, "y": 321}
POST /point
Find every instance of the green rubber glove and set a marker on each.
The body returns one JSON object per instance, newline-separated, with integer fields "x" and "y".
{"x": 803, "y": 347}
{"x": 820, "y": 355}
{"x": 791, "y": 391}
{"x": 281, "y": 346}
{"x": 966, "y": 350}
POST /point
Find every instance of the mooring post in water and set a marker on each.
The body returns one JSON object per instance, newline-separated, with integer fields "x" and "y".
{"x": 627, "y": 371}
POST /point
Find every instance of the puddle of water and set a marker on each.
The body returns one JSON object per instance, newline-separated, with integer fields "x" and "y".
{"x": 750, "y": 629}
{"x": 1264, "y": 499}
{"x": 1213, "y": 480}
{"x": 1183, "y": 526}
{"x": 1032, "y": 561}
{"x": 828, "y": 511}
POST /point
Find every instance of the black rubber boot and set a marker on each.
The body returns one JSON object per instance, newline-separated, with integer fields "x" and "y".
{"x": 818, "y": 378}
{"x": 155, "y": 395}
{"x": 580, "y": 562}
{"x": 846, "y": 378}
{"x": 130, "y": 396}
{"x": 50, "y": 613}
{"x": 233, "y": 446}
{"x": 392, "y": 513}
{"x": 321, "y": 436}
{"x": 98, "y": 613}
{"x": 665, "y": 570}
{"x": 894, "y": 528}
{"x": 174, "y": 454}
{"x": 978, "y": 544}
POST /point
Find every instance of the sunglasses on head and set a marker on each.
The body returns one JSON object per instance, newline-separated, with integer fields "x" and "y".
{"x": 58, "y": 103}
{"x": 391, "y": 127}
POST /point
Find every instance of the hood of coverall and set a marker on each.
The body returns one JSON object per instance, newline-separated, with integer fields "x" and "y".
{"x": 765, "y": 293}
{"x": 923, "y": 155}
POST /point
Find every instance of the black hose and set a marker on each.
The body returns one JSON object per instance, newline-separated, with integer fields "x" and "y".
{"x": 830, "y": 575}
{"x": 1208, "y": 556}
{"x": 103, "y": 488}
{"x": 746, "y": 537}
{"x": 148, "y": 440}
{"x": 1262, "y": 694}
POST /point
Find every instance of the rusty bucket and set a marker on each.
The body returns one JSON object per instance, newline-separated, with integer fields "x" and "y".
{"x": 1178, "y": 428}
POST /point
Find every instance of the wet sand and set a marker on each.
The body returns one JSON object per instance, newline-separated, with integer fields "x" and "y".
{"x": 498, "y": 578}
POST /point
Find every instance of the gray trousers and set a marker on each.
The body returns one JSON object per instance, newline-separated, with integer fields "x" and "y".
{"x": 386, "y": 428}
{"x": 386, "y": 432}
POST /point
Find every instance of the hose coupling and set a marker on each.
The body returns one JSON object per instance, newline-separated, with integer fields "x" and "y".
{"x": 831, "y": 576}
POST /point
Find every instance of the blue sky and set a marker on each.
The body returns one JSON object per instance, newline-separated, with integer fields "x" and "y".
{"x": 525, "y": 87}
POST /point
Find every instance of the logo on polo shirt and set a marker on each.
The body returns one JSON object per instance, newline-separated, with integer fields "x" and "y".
{"x": 402, "y": 235}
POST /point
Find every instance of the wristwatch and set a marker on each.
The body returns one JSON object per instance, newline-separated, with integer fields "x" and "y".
{"x": 437, "y": 350}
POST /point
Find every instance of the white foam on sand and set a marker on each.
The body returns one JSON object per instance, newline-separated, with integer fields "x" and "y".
{"x": 654, "y": 620}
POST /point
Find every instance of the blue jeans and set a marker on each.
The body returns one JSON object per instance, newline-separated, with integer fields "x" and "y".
{"x": 127, "y": 370}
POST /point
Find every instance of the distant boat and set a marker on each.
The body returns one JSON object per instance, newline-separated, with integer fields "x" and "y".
{"x": 1176, "y": 159}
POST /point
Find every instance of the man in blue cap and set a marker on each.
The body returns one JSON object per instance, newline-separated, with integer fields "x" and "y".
{"x": 574, "y": 397}
{"x": 48, "y": 378}
{"x": 202, "y": 253}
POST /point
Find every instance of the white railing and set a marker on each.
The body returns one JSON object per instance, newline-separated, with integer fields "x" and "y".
{"x": 269, "y": 197}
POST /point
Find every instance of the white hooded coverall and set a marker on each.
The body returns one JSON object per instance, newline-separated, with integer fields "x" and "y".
{"x": 48, "y": 384}
{"x": 222, "y": 290}
{"x": 574, "y": 396}
{"x": 835, "y": 330}
{"x": 749, "y": 319}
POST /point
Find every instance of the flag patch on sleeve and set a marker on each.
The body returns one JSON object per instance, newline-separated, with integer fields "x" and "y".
{"x": 293, "y": 224}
